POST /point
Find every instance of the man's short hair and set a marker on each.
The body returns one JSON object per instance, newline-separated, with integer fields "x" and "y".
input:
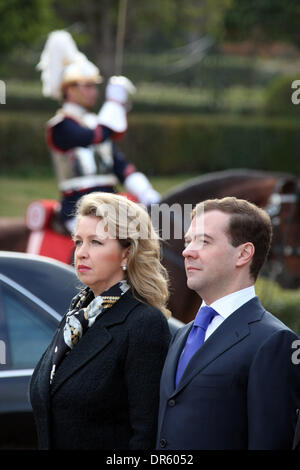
{"x": 248, "y": 223}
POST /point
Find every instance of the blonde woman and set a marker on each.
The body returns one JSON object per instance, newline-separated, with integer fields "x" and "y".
{"x": 97, "y": 384}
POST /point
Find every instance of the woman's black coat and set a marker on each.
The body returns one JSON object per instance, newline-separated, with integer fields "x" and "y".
{"x": 105, "y": 393}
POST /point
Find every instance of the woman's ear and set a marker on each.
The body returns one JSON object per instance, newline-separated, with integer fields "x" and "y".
{"x": 125, "y": 254}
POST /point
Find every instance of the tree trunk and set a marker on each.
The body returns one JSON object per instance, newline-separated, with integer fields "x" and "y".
{"x": 101, "y": 28}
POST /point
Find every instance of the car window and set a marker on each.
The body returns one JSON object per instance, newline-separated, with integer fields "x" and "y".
{"x": 29, "y": 329}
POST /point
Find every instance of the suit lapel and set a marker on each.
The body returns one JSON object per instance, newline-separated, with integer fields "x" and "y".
{"x": 174, "y": 352}
{"x": 94, "y": 340}
{"x": 233, "y": 330}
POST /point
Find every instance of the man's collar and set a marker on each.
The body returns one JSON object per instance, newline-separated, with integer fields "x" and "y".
{"x": 231, "y": 302}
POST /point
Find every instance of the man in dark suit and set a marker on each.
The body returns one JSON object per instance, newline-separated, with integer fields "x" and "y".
{"x": 229, "y": 380}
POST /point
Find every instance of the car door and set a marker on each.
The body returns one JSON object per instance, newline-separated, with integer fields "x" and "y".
{"x": 26, "y": 327}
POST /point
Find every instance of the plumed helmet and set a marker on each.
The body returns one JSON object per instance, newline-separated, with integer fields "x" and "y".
{"x": 62, "y": 63}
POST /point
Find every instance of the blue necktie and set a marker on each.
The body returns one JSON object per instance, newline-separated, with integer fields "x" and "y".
{"x": 195, "y": 338}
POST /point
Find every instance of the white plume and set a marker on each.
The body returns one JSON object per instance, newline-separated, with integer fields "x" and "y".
{"x": 60, "y": 51}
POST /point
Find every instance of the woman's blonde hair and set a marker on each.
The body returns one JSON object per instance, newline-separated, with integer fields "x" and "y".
{"x": 131, "y": 225}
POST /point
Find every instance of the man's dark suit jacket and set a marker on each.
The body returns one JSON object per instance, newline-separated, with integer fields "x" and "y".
{"x": 296, "y": 443}
{"x": 240, "y": 390}
{"x": 105, "y": 393}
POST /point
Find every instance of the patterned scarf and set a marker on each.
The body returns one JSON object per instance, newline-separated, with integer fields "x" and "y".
{"x": 84, "y": 310}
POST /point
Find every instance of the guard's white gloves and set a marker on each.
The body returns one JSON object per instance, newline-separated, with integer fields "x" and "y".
{"x": 119, "y": 88}
{"x": 140, "y": 187}
{"x": 113, "y": 113}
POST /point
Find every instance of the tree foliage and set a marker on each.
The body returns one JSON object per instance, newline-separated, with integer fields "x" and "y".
{"x": 151, "y": 26}
{"x": 263, "y": 20}
{"x": 22, "y": 23}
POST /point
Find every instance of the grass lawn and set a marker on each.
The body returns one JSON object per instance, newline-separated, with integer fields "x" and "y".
{"x": 17, "y": 191}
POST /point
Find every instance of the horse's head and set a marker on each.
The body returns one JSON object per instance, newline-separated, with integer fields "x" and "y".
{"x": 284, "y": 209}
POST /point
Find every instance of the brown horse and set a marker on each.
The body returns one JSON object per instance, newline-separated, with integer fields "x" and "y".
{"x": 276, "y": 192}
{"x": 13, "y": 234}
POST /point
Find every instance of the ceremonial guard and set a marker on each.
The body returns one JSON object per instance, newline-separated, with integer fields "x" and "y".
{"x": 81, "y": 142}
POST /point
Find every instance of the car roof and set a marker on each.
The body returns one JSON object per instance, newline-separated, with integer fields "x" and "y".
{"x": 55, "y": 283}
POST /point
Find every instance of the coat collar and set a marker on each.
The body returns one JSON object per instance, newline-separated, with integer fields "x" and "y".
{"x": 93, "y": 341}
{"x": 234, "y": 329}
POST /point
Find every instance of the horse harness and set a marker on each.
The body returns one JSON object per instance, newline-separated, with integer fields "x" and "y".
{"x": 280, "y": 247}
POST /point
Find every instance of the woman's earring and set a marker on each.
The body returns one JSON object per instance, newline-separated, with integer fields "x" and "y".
{"x": 124, "y": 268}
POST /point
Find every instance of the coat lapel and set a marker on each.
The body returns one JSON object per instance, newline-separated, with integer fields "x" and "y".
{"x": 174, "y": 352}
{"x": 233, "y": 330}
{"x": 40, "y": 383}
{"x": 94, "y": 340}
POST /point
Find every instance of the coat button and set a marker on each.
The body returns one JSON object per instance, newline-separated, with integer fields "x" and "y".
{"x": 163, "y": 443}
{"x": 171, "y": 402}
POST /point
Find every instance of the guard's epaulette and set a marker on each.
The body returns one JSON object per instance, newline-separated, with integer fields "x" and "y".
{"x": 59, "y": 117}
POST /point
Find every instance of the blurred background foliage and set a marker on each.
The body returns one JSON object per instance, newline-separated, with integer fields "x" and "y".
{"x": 213, "y": 84}
{"x": 283, "y": 303}
{"x": 213, "y": 78}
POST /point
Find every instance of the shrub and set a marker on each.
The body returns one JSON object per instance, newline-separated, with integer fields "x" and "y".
{"x": 23, "y": 142}
{"x": 279, "y": 97}
{"x": 198, "y": 144}
{"x": 170, "y": 144}
{"x": 282, "y": 303}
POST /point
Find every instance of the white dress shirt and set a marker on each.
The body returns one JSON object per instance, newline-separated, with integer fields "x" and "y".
{"x": 225, "y": 306}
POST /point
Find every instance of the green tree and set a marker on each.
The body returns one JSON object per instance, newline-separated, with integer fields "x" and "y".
{"x": 150, "y": 25}
{"x": 96, "y": 21}
{"x": 263, "y": 20}
{"x": 22, "y": 23}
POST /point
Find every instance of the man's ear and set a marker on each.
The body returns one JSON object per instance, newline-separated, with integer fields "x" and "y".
{"x": 245, "y": 254}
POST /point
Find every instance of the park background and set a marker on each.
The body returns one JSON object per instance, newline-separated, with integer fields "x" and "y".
{"x": 214, "y": 91}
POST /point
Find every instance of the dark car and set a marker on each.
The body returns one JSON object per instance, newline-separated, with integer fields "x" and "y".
{"x": 34, "y": 293}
